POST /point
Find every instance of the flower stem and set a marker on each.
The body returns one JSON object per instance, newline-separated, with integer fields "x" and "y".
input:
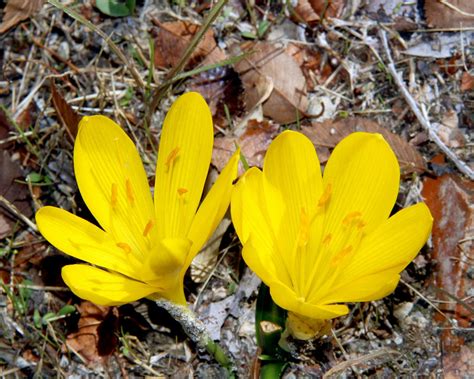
{"x": 197, "y": 332}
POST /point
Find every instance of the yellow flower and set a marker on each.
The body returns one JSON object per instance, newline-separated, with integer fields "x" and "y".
{"x": 142, "y": 248}
{"x": 319, "y": 242}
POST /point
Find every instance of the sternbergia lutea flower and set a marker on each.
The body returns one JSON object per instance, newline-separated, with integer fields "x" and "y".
{"x": 320, "y": 241}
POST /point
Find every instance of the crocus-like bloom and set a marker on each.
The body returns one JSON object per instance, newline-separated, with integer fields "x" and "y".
{"x": 319, "y": 242}
{"x": 141, "y": 249}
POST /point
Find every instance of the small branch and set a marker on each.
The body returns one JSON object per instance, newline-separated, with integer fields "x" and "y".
{"x": 15, "y": 211}
{"x": 197, "y": 332}
{"x": 421, "y": 114}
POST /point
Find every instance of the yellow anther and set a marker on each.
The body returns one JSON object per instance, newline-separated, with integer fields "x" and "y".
{"x": 325, "y": 196}
{"x": 351, "y": 217}
{"x": 327, "y": 239}
{"x": 342, "y": 254}
{"x": 114, "y": 195}
{"x": 361, "y": 224}
{"x": 148, "y": 227}
{"x": 303, "y": 236}
{"x": 124, "y": 246}
{"x": 171, "y": 158}
{"x": 182, "y": 191}
{"x": 130, "y": 195}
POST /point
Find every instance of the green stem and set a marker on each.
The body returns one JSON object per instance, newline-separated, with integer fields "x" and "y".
{"x": 197, "y": 332}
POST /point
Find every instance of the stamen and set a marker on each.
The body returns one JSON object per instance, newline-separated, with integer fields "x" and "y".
{"x": 124, "y": 246}
{"x": 325, "y": 196}
{"x": 130, "y": 196}
{"x": 171, "y": 158}
{"x": 182, "y": 191}
{"x": 342, "y": 254}
{"x": 303, "y": 236}
{"x": 148, "y": 227}
{"x": 350, "y": 217}
{"x": 327, "y": 239}
{"x": 114, "y": 195}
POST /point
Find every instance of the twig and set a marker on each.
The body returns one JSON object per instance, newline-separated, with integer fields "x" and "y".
{"x": 456, "y": 9}
{"x": 420, "y": 115}
{"x": 13, "y": 209}
{"x": 197, "y": 332}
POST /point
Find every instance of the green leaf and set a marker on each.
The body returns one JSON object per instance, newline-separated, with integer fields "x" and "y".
{"x": 66, "y": 310}
{"x": 248, "y": 35}
{"x": 272, "y": 370}
{"x": 116, "y": 8}
{"x": 50, "y": 316}
{"x": 34, "y": 177}
{"x": 37, "y": 319}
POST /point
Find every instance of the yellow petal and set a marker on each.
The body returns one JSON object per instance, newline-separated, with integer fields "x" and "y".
{"x": 393, "y": 245}
{"x": 291, "y": 167}
{"x": 112, "y": 181}
{"x": 102, "y": 287}
{"x": 252, "y": 224}
{"x": 287, "y": 299}
{"x": 168, "y": 258}
{"x": 367, "y": 288}
{"x": 183, "y": 161}
{"x": 83, "y": 240}
{"x": 364, "y": 175}
{"x": 213, "y": 208}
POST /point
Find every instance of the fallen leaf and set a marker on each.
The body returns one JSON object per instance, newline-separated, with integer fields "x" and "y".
{"x": 450, "y": 200}
{"x": 467, "y": 82}
{"x": 96, "y": 337}
{"x": 312, "y": 11}
{"x": 17, "y": 194}
{"x": 221, "y": 87}
{"x": 18, "y": 10}
{"x": 326, "y": 135}
{"x": 206, "y": 260}
{"x": 253, "y": 142}
{"x": 450, "y": 13}
{"x": 448, "y": 130}
{"x": 270, "y": 65}
{"x": 439, "y": 46}
{"x": 172, "y": 39}
{"x": 68, "y": 116}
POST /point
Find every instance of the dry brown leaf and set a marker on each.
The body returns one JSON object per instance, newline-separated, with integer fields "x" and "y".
{"x": 15, "y": 193}
{"x": 270, "y": 64}
{"x": 450, "y": 13}
{"x": 18, "y": 10}
{"x": 326, "y": 135}
{"x": 91, "y": 341}
{"x": 450, "y": 201}
{"x": 68, "y": 116}
{"x": 172, "y": 39}
{"x": 254, "y": 143}
{"x": 448, "y": 131}
{"x": 312, "y": 11}
{"x": 467, "y": 82}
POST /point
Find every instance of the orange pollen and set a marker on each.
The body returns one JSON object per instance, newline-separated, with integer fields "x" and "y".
{"x": 182, "y": 191}
{"x": 171, "y": 158}
{"x": 325, "y": 196}
{"x": 350, "y": 217}
{"x": 130, "y": 196}
{"x": 124, "y": 246}
{"x": 148, "y": 227}
{"x": 361, "y": 224}
{"x": 327, "y": 239}
{"x": 114, "y": 195}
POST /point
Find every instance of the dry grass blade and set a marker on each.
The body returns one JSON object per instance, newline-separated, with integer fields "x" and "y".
{"x": 160, "y": 92}
{"x": 112, "y": 45}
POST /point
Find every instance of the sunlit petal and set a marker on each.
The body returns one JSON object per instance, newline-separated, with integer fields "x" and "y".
{"x": 112, "y": 181}
{"x": 102, "y": 287}
{"x": 183, "y": 162}
{"x": 83, "y": 240}
{"x": 213, "y": 208}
